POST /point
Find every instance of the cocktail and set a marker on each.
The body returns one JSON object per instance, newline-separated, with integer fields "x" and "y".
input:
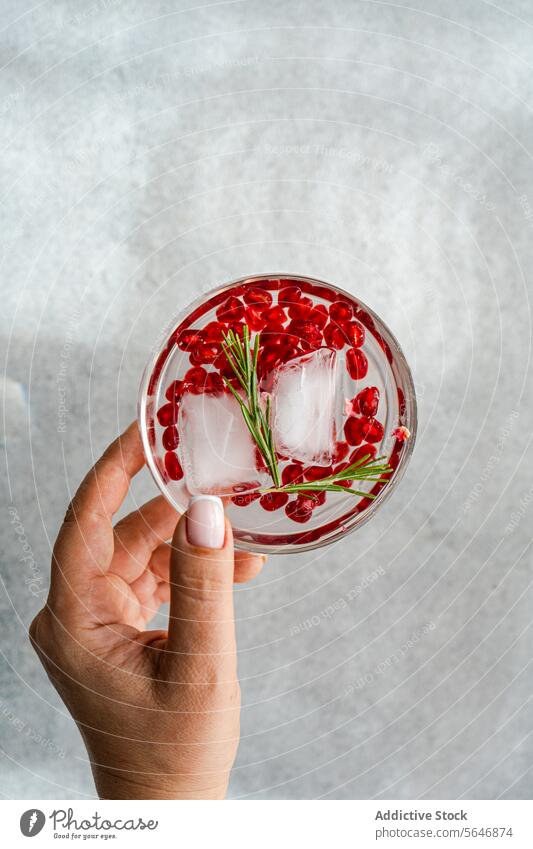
{"x": 288, "y": 398}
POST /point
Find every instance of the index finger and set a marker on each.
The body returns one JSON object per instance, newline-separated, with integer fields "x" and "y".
{"x": 84, "y": 545}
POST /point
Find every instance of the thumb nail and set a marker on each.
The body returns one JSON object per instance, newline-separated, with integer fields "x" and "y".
{"x": 205, "y": 521}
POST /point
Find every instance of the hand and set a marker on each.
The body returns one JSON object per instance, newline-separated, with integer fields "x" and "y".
{"x": 158, "y": 711}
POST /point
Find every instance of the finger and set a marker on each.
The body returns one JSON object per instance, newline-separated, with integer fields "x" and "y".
{"x": 201, "y": 630}
{"x": 162, "y": 593}
{"x": 247, "y": 566}
{"x": 84, "y": 546}
{"x": 146, "y": 590}
{"x": 139, "y": 534}
{"x": 159, "y": 562}
{"x": 145, "y": 587}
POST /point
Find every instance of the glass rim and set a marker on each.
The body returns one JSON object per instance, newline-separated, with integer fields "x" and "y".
{"x": 407, "y": 383}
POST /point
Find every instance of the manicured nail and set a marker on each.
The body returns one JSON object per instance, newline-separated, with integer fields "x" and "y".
{"x": 205, "y": 521}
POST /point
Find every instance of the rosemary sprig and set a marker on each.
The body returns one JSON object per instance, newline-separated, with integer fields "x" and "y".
{"x": 243, "y": 360}
{"x": 244, "y": 363}
{"x": 364, "y": 469}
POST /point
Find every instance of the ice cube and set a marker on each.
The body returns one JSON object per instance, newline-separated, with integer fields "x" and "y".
{"x": 217, "y": 451}
{"x": 305, "y": 407}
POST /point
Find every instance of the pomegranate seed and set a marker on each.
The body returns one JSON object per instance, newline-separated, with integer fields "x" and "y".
{"x": 237, "y": 327}
{"x": 195, "y": 380}
{"x": 195, "y": 357}
{"x": 297, "y": 512}
{"x": 197, "y": 388}
{"x": 306, "y": 286}
{"x": 341, "y": 450}
{"x": 289, "y": 295}
{"x": 344, "y": 483}
{"x": 223, "y": 365}
{"x": 289, "y": 340}
{"x": 272, "y": 335}
{"x": 320, "y": 292}
{"x": 307, "y": 332}
{"x": 356, "y": 363}
{"x": 257, "y": 297}
{"x": 372, "y": 430}
{"x": 365, "y": 318}
{"x": 268, "y": 359}
{"x": 368, "y": 451}
{"x": 245, "y": 498}
{"x": 319, "y": 316}
{"x": 213, "y": 332}
{"x": 214, "y": 384}
{"x": 254, "y": 318}
{"x": 230, "y": 310}
{"x": 301, "y": 309}
{"x": 293, "y": 473}
{"x": 366, "y": 402}
{"x": 173, "y": 467}
{"x": 195, "y": 377}
{"x": 315, "y": 473}
{"x": 187, "y": 339}
{"x": 273, "y": 500}
{"x": 170, "y": 438}
{"x": 175, "y": 390}
{"x": 402, "y": 433}
{"x": 309, "y": 500}
{"x": 275, "y": 315}
{"x": 341, "y": 311}
{"x": 355, "y": 333}
{"x": 287, "y": 354}
{"x": 334, "y": 337}
{"x": 233, "y": 381}
{"x": 207, "y": 354}
{"x": 167, "y": 415}
{"x": 271, "y": 340}
{"x": 352, "y": 430}
{"x": 278, "y": 340}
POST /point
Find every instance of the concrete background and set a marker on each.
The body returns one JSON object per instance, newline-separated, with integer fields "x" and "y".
{"x": 152, "y": 149}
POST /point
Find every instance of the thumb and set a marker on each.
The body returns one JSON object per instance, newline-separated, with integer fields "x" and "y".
{"x": 201, "y": 630}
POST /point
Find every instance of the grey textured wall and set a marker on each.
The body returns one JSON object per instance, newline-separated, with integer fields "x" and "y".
{"x": 152, "y": 149}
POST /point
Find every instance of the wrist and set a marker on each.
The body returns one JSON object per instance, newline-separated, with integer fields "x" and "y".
{"x": 112, "y": 784}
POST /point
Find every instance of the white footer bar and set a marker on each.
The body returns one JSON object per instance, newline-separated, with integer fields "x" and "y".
{"x": 269, "y": 824}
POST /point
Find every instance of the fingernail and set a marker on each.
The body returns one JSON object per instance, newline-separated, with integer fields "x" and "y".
{"x": 205, "y": 521}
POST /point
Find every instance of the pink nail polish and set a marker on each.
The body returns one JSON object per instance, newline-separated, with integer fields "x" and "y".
{"x": 205, "y": 521}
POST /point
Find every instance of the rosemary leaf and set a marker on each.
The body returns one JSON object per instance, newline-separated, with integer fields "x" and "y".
{"x": 323, "y": 488}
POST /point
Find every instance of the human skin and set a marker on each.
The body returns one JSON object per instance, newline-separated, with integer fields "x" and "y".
{"x": 158, "y": 710}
